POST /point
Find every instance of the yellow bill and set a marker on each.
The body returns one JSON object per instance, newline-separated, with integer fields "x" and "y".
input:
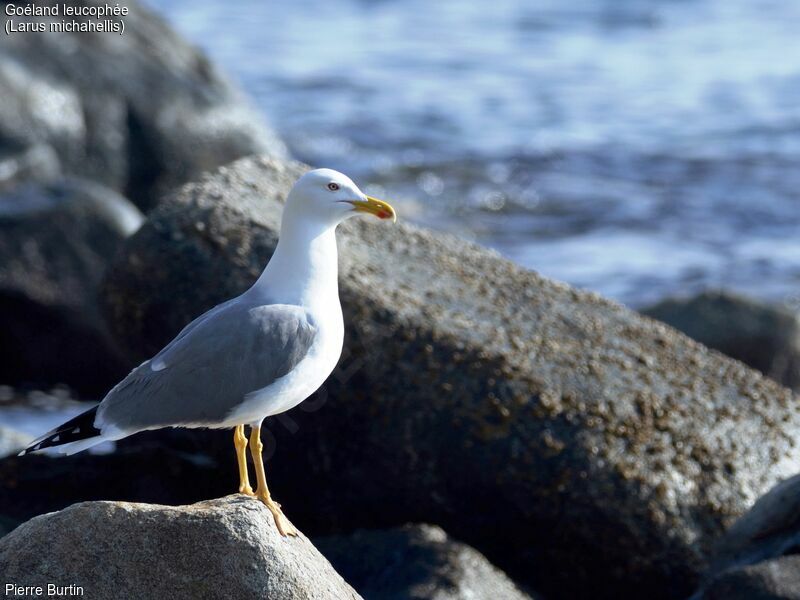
{"x": 373, "y": 206}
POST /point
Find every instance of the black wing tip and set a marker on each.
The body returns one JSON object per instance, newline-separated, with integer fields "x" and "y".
{"x": 33, "y": 448}
{"x": 76, "y": 429}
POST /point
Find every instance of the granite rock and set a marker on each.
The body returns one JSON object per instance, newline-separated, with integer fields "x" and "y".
{"x": 216, "y": 549}
{"x": 415, "y": 562}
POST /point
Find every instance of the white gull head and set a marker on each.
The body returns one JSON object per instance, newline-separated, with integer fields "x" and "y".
{"x": 326, "y": 197}
{"x": 303, "y": 269}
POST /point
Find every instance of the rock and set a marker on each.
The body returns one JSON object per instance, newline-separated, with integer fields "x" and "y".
{"x": 758, "y": 556}
{"x": 55, "y": 242}
{"x": 224, "y": 548}
{"x": 776, "y": 579}
{"x": 415, "y": 562}
{"x": 582, "y": 448}
{"x": 762, "y": 335}
{"x": 139, "y": 112}
{"x": 771, "y": 528}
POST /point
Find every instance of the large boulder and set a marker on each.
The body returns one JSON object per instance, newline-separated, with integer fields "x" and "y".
{"x": 139, "y": 112}
{"x": 579, "y": 446}
{"x": 55, "y": 242}
{"x": 415, "y": 562}
{"x": 762, "y": 335}
{"x": 757, "y": 558}
{"x": 226, "y": 548}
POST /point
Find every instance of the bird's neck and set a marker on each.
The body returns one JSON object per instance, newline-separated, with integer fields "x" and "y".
{"x": 303, "y": 269}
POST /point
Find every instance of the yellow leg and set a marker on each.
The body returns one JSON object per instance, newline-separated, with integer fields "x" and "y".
{"x": 240, "y": 441}
{"x": 262, "y": 491}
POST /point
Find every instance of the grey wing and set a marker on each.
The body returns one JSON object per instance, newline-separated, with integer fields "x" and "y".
{"x": 159, "y": 360}
{"x": 204, "y": 374}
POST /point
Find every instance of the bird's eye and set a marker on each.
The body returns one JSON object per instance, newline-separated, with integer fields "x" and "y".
{"x": 333, "y": 186}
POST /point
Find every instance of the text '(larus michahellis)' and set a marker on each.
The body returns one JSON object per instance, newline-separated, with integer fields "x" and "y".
{"x": 254, "y": 356}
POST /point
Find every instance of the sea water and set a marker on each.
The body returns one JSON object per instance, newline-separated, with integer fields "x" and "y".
{"x": 639, "y": 148}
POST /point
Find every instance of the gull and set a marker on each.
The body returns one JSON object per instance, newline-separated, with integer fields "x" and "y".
{"x": 249, "y": 358}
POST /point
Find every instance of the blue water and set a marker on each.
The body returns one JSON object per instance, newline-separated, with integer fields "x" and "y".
{"x": 639, "y": 148}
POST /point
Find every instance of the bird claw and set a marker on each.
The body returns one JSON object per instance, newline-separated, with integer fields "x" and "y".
{"x": 285, "y": 528}
{"x": 246, "y": 490}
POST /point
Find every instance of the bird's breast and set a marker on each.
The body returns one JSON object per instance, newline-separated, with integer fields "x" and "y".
{"x": 306, "y": 378}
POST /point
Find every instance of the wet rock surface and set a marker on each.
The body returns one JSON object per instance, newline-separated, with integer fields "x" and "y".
{"x": 139, "y": 112}
{"x": 415, "y": 562}
{"x": 55, "y": 242}
{"x": 762, "y": 335}
{"x": 217, "y": 549}
{"x": 543, "y": 425}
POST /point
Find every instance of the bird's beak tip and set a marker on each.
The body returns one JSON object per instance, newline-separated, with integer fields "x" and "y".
{"x": 373, "y": 206}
